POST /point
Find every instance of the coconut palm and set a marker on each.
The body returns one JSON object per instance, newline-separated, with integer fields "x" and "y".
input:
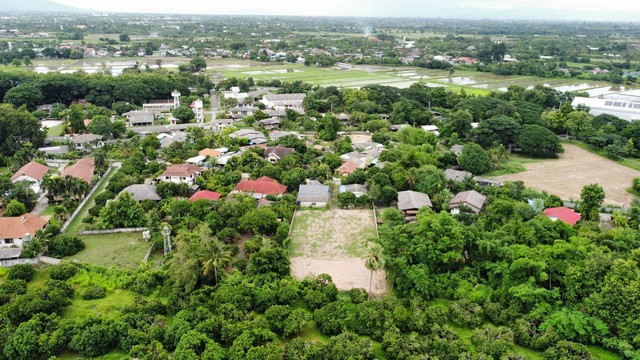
{"x": 373, "y": 261}
{"x": 411, "y": 177}
{"x": 215, "y": 256}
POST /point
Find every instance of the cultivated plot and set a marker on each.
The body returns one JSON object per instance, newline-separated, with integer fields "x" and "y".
{"x": 574, "y": 169}
{"x": 334, "y": 242}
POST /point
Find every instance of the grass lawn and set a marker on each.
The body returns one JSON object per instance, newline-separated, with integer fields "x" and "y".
{"x": 113, "y": 355}
{"x": 514, "y": 165}
{"x": 48, "y": 211}
{"x": 55, "y": 130}
{"x": 109, "y": 307}
{"x": 124, "y": 249}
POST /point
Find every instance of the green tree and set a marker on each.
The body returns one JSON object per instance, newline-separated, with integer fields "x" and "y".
{"x": 17, "y": 128}
{"x": 15, "y": 208}
{"x": 101, "y": 125}
{"x": 459, "y": 122}
{"x": 373, "y": 261}
{"x": 495, "y": 342}
{"x": 75, "y": 118}
{"x": 214, "y": 256}
{"x": 24, "y": 94}
{"x": 125, "y": 211}
{"x": 197, "y": 64}
{"x": 184, "y": 114}
{"x": 567, "y": 350}
{"x": 538, "y": 141}
{"x": 64, "y": 245}
{"x": 591, "y": 198}
{"x": 475, "y": 159}
{"x": 124, "y": 37}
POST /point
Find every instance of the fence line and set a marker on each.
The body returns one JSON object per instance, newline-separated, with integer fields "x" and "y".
{"x": 292, "y": 220}
{"x": 146, "y": 257}
{"x": 34, "y": 261}
{"x": 112, "y": 231}
{"x": 375, "y": 219}
{"x": 86, "y": 198}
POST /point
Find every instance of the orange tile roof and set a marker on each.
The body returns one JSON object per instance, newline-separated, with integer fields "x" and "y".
{"x": 209, "y": 152}
{"x": 205, "y": 195}
{"x": 263, "y": 185}
{"x": 348, "y": 167}
{"x": 83, "y": 169}
{"x": 18, "y": 226}
{"x": 32, "y": 170}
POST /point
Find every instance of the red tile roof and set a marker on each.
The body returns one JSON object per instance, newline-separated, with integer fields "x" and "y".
{"x": 267, "y": 179}
{"x": 205, "y": 195}
{"x": 209, "y": 152}
{"x": 563, "y": 213}
{"x": 263, "y": 185}
{"x": 18, "y": 226}
{"x": 32, "y": 170}
{"x": 83, "y": 169}
{"x": 348, "y": 167}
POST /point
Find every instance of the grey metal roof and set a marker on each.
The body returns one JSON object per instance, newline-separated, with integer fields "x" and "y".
{"x": 313, "y": 193}
{"x": 408, "y": 200}
{"x": 472, "y": 199}
{"x": 139, "y": 117}
{"x": 86, "y": 138}
{"x": 141, "y": 192}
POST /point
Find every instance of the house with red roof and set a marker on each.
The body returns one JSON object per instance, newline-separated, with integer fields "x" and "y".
{"x": 261, "y": 187}
{"x": 33, "y": 173}
{"x": 83, "y": 169}
{"x": 564, "y": 214}
{"x": 348, "y": 167}
{"x": 14, "y": 231}
{"x": 205, "y": 195}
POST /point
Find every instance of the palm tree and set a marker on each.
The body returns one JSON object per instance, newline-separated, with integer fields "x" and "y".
{"x": 411, "y": 177}
{"x": 216, "y": 255}
{"x": 373, "y": 261}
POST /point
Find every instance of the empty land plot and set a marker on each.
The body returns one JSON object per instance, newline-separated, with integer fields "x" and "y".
{"x": 573, "y": 170}
{"x": 334, "y": 242}
{"x": 123, "y": 249}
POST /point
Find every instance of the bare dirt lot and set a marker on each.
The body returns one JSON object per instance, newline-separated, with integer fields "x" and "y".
{"x": 334, "y": 242}
{"x": 574, "y": 169}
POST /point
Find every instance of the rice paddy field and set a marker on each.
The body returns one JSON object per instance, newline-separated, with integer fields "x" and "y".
{"x": 473, "y": 82}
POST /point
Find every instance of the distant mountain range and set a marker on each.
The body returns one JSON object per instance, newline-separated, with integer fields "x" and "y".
{"x": 35, "y": 6}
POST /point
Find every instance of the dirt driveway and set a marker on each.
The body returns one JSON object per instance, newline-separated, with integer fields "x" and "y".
{"x": 334, "y": 242}
{"x": 574, "y": 169}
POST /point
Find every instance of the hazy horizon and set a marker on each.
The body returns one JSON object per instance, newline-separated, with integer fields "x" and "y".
{"x": 587, "y": 10}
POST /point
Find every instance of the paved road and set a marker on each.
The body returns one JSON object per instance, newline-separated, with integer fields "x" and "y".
{"x": 41, "y": 205}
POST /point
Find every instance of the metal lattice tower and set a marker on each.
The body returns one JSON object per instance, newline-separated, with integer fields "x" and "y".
{"x": 166, "y": 233}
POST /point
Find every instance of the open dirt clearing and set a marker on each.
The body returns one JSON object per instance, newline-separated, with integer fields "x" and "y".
{"x": 574, "y": 169}
{"x": 334, "y": 242}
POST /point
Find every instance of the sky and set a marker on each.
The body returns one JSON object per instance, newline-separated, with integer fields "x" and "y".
{"x": 618, "y": 10}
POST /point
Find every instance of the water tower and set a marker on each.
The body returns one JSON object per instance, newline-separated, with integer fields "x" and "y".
{"x": 176, "y": 98}
{"x": 198, "y": 108}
